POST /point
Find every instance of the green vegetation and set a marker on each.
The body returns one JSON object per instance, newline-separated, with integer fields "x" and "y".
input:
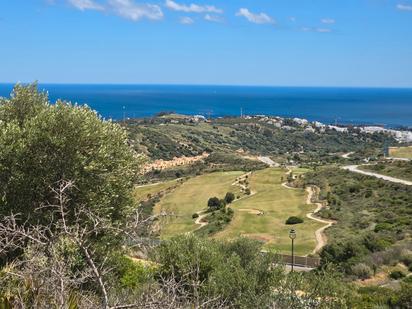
{"x": 227, "y": 135}
{"x": 42, "y": 144}
{"x": 216, "y": 162}
{"x": 216, "y": 222}
{"x": 397, "y": 169}
{"x": 146, "y": 191}
{"x": 294, "y": 220}
{"x": 237, "y": 274}
{"x": 192, "y": 196}
{"x": 76, "y": 231}
{"x": 401, "y": 152}
{"x": 262, "y": 215}
{"x": 374, "y": 219}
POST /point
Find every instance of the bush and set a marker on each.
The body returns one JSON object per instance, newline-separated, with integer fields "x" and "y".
{"x": 229, "y": 197}
{"x": 234, "y": 271}
{"x": 294, "y": 220}
{"x": 195, "y": 216}
{"x": 396, "y": 274}
{"x": 214, "y": 203}
{"x": 406, "y": 258}
{"x": 383, "y": 227}
{"x": 362, "y": 271}
{"x": 247, "y": 191}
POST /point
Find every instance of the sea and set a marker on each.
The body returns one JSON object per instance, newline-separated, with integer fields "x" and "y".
{"x": 361, "y": 106}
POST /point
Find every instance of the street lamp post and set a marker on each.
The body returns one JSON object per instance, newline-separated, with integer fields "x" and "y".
{"x": 292, "y": 236}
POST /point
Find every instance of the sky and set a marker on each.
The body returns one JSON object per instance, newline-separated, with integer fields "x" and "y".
{"x": 344, "y": 43}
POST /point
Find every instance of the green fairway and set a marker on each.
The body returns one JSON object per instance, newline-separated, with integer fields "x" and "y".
{"x": 191, "y": 197}
{"x": 401, "y": 152}
{"x": 260, "y": 216}
{"x": 142, "y": 192}
{"x": 277, "y": 204}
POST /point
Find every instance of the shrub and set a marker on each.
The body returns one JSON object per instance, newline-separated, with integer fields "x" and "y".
{"x": 294, "y": 220}
{"x": 383, "y": 227}
{"x": 214, "y": 202}
{"x": 406, "y": 258}
{"x": 396, "y": 274}
{"x": 247, "y": 191}
{"x": 234, "y": 271}
{"x": 195, "y": 215}
{"x": 362, "y": 271}
{"x": 229, "y": 197}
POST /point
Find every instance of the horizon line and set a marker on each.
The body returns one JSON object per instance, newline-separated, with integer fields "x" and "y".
{"x": 205, "y": 85}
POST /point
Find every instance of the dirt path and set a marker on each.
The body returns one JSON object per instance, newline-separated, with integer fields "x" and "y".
{"x": 202, "y": 214}
{"x": 242, "y": 186}
{"x": 321, "y": 238}
{"x": 252, "y": 211}
{"x": 347, "y": 155}
{"x": 355, "y": 169}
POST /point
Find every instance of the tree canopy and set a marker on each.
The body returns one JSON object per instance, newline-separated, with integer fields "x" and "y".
{"x": 43, "y": 143}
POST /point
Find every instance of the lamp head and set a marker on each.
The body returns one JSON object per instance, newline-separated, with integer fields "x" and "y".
{"x": 292, "y": 234}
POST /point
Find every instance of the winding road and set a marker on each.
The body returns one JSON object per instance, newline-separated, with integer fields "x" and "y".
{"x": 355, "y": 169}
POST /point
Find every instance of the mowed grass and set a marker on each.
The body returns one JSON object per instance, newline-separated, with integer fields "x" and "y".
{"x": 278, "y": 203}
{"x": 141, "y": 192}
{"x": 401, "y": 152}
{"x": 191, "y": 197}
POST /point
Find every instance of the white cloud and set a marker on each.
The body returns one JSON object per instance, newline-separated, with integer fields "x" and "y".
{"x": 292, "y": 19}
{"x": 328, "y": 21}
{"x": 213, "y": 18}
{"x": 136, "y": 11}
{"x": 260, "y": 18}
{"x": 404, "y": 7}
{"x": 192, "y": 8}
{"x": 186, "y": 20}
{"x": 85, "y": 5}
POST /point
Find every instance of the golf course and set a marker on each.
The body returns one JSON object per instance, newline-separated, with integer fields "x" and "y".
{"x": 260, "y": 215}
{"x": 401, "y": 152}
{"x": 276, "y": 203}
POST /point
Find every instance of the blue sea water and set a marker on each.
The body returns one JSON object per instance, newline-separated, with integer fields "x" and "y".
{"x": 390, "y": 107}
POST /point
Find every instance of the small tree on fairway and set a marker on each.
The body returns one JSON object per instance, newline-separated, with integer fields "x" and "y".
{"x": 229, "y": 197}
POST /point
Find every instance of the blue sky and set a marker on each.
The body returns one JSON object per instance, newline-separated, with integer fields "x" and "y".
{"x": 234, "y": 42}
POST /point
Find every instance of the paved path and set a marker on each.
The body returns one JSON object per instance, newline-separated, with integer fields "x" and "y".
{"x": 355, "y": 169}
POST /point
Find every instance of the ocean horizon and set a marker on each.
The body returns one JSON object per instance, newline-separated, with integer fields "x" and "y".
{"x": 390, "y": 107}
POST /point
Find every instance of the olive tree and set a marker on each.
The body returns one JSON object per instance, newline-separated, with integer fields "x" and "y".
{"x": 43, "y": 143}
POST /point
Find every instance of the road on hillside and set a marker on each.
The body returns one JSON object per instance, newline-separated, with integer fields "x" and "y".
{"x": 355, "y": 169}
